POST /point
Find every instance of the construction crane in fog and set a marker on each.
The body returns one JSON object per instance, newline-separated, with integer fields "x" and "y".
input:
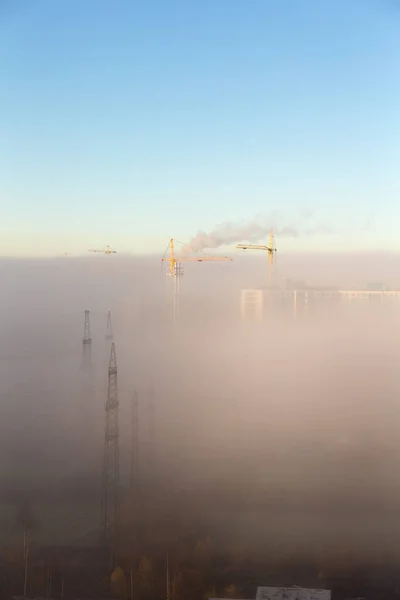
{"x": 108, "y": 250}
{"x": 270, "y": 249}
{"x": 175, "y": 270}
{"x": 174, "y": 267}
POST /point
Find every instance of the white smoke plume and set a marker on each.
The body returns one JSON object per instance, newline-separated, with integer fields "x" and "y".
{"x": 254, "y": 231}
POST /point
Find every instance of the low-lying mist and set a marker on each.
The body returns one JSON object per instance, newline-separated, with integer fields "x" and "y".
{"x": 282, "y": 430}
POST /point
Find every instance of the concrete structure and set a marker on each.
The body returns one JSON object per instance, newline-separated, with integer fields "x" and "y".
{"x": 289, "y": 593}
{"x": 251, "y": 304}
{"x": 255, "y": 303}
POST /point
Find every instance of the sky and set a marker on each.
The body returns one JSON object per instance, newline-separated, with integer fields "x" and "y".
{"x": 127, "y": 123}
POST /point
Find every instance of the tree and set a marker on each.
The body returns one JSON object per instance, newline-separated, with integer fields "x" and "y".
{"x": 190, "y": 584}
{"x": 26, "y": 520}
{"x": 118, "y": 583}
{"x": 211, "y": 593}
{"x": 145, "y": 579}
{"x": 232, "y": 591}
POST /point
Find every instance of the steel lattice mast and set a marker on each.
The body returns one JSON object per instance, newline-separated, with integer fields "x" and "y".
{"x": 109, "y": 330}
{"x": 86, "y": 343}
{"x": 87, "y": 339}
{"x": 110, "y": 496}
{"x": 88, "y": 382}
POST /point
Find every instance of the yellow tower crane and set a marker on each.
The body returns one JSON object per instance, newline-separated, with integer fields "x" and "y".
{"x": 174, "y": 262}
{"x": 175, "y": 269}
{"x": 270, "y": 249}
{"x": 108, "y": 250}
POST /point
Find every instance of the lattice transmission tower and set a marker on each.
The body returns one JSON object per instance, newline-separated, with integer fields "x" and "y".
{"x": 87, "y": 339}
{"x": 88, "y": 387}
{"x": 110, "y": 494}
{"x": 109, "y": 329}
{"x": 86, "y": 342}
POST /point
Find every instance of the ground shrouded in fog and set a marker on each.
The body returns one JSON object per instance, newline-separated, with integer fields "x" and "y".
{"x": 288, "y": 431}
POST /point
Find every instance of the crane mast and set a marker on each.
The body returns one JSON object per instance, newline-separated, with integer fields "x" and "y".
{"x": 171, "y": 258}
{"x": 270, "y": 249}
{"x": 174, "y": 268}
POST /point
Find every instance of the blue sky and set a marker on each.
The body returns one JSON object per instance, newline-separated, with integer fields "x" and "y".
{"x": 130, "y": 122}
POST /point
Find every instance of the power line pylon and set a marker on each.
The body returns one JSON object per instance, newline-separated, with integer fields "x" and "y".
{"x": 87, "y": 339}
{"x": 86, "y": 402}
{"x": 134, "y": 471}
{"x": 110, "y": 495}
{"x": 109, "y": 330}
{"x": 86, "y": 343}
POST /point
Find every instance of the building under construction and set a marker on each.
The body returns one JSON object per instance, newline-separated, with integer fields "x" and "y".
{"x": 286, "y": 300}
{"x": 260, "y": 304}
